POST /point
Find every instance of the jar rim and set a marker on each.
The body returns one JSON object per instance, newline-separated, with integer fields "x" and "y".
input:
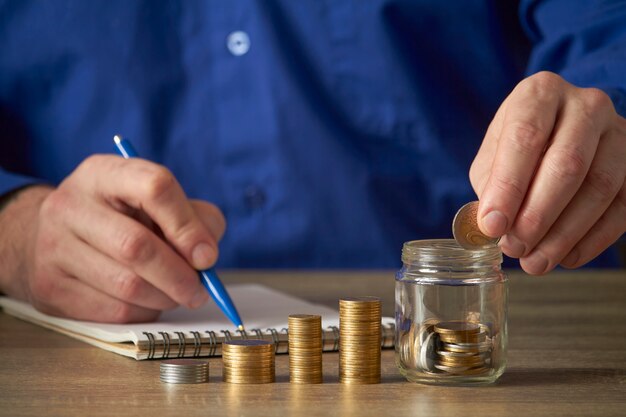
{"x": 447, "y": 252}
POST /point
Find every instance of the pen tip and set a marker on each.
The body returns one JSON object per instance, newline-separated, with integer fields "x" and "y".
{"x": 117, "y": 138}
{"x": 240, "y": 327}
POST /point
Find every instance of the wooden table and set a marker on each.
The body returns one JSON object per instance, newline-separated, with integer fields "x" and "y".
{"x": 567, "y": 356}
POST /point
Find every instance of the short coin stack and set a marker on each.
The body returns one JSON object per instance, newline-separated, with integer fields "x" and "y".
{"x": 184, "y": 371}
{"x": 305, "y": 349}
{"x": 464, "y": 347}
{"x": 248, "y": 362}
{"x": 359, "y": 340}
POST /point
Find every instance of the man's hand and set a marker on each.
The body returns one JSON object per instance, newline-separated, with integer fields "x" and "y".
{"x": 117, "y": 241}
{"x": 550, "y": 174}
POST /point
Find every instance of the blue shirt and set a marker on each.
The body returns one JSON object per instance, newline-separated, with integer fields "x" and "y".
{"x": 328, "y": 132}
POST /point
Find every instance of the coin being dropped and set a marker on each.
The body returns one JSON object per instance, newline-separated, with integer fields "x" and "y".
{"x": 457, "y": 327}
{"x": 465, "y": 229}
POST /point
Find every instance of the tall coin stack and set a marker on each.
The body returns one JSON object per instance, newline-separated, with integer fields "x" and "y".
{"x": 248, "y": 362}
{"x": 359, "y": 340}
{"x": 184, "y": 371}
{"x": 464, "y": 348}
{"x": 305, "y": 349}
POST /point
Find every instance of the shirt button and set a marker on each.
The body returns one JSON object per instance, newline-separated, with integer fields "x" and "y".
{"x": 238, "y": 43}
{"x": 254, "y": 197}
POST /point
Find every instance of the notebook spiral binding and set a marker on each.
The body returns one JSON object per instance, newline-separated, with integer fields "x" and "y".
{"x": 175, "y": 346}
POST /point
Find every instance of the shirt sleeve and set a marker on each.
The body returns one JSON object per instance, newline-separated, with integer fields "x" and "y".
{"x": 10, "y": 182}
{"x": 582, "y": 40}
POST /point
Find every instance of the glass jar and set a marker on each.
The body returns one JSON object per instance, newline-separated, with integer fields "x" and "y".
{"x": 451, "y": 308}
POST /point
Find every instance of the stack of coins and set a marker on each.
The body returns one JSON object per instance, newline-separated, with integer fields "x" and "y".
{"x": 184, "y": 371}
{"x": 305, "y": 349}
{"x": 359, "y": 340}
{"x": 248, "y": 362}
{"x": 464, "y": 347}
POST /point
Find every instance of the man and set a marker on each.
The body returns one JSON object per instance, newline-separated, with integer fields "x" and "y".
{"x": 327, "y": 133}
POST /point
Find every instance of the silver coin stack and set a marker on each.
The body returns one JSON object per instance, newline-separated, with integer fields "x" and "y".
{"x": 184, "y": 371}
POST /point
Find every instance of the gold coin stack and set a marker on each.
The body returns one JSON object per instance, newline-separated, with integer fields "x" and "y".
{"x": 464, "y": 349}
{"x": 305, "y": 349}
{"x": 248, "y": 362}
{"x": 359, "y": 340}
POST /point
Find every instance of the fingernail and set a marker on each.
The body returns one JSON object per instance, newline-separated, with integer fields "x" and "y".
{"x": 512, "y": 246}
{"x": 199, "y": 299}
{"x": 494, "y": 223}
{"x": 535, "y": 264}
{"x": 571, "y": 259}
{"x": 202, "y": 256}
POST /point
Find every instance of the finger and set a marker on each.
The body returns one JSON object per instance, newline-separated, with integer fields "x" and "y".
{"x": 97, "y": 270}
{"x": 530, "y": 115}
{"x": 481, "y": 166}
{"x": 130, "y": 243}
{"x": 68, "y": 297}
{"x": 153, "y": 189}
{"x": 609, "y": 228}
{"x": 211, "y": 216}
{"x": 601, "y": 185}
{"x": 560, "y": 174}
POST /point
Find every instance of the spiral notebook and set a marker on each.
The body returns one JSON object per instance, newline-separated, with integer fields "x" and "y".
{"x": 193, "y": 333}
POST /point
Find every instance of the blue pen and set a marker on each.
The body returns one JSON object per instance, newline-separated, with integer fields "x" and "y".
{"x": 208, "y": 277}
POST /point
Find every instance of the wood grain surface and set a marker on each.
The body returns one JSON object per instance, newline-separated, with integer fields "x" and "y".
{"x": 567, "y": 356}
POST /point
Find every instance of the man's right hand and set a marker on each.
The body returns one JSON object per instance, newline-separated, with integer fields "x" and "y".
{"x": 117, "y": 241}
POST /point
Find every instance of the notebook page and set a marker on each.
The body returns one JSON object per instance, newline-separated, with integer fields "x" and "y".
{"x": 259, "y": 307}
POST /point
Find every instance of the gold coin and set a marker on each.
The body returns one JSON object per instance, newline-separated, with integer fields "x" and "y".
{"x": 305, "y": 317}
{"x": 457, "y": 328}
{"x": 309, "y": 334}
{"x": 466, "y": 231}
{"x": 446, "y": 353}
{"x": 241, "y": 371}
{"x": 306, "y": 355}
{"x": 303, "y": 345}
{"x": 360, "y": 300}
{"x": 249, "y": 363}
{"x": 463, "y": 338}
{"x": 360, "y": 366}
{"x": 253, "y": 356}
{"x": 346, "y": 323}
{"x": 362, "y": 340}
{"x": 450, "y": 361}
{"x": 249, "y": 379}
{"x": 234, "y": 370}
{"x": 306, "y": 358}
{"x": 476, "y": 371}
{"x": 463, "y": 371}
{"x": 305, "y": 365}
{"x": 453, "y": 369}
{"x": 246, "y": 343}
